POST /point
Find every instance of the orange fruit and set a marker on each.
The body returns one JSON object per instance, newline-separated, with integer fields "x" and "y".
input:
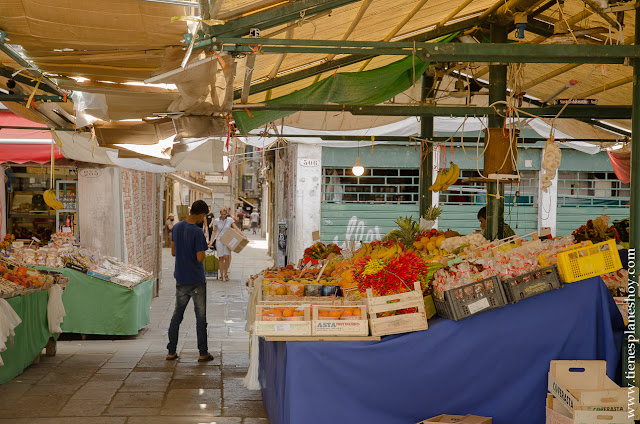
{"x": 287, "y": 312}
{"x": 348, "y": 312}
{"x": 323, "y": 313}
{"x": 281, "y": 291}
{"x": 356, "y": 312}
{"x": 335, "y": 313}
{"x": 298, "y": 313}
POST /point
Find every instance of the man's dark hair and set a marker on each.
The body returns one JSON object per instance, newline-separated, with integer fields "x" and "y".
{"x": 482, "y": 213}
{"x": 198, "y": 207}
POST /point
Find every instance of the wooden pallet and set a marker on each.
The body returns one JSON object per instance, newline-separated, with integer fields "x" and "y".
{"x": 321, "y": 339}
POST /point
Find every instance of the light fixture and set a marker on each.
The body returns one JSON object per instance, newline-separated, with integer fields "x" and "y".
{"x": 358, "y": 169}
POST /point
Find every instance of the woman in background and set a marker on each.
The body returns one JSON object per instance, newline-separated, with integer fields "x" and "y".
{"x": 221, "y": 225}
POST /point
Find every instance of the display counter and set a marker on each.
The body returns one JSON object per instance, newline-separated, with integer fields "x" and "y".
{"x": 32, "y": 334}
{"x": 94, "y": 306}
{"x": 491, "y": 364}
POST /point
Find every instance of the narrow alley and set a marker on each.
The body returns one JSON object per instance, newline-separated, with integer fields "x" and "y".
{"x": 105, "y": 380}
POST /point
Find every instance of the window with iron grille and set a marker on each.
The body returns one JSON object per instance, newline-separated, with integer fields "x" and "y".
{"x": 591, "y": 189}
{"x": 524, "y": 193}
{"x": 375, "y": 186}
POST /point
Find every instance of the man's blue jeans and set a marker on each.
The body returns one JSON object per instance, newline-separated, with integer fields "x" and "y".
{"x": 184, "y": 292}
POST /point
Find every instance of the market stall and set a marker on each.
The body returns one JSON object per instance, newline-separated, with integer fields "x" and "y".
{"x": 102, "y": 296}
{"x": 94, "y": 306}
{"x": 31, "y": 310}
{"x": 506, "y": 308}
{"x": 31, "y": 335}
{"x": 450, "y": 368}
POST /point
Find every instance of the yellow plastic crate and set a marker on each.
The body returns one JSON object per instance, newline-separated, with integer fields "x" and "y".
{"x": 544, "y": 262}
{"x": 589, "y": 261}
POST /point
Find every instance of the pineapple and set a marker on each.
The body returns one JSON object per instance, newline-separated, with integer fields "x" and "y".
{"x": 407, "y": 232}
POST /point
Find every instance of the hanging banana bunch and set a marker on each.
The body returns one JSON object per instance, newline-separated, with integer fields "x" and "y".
{"x": 51, "y": 200}
{"x": 50, "y": 195}
{"x": 446, "y": 178}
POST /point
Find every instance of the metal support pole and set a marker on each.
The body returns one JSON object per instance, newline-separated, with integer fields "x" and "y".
{"x": 634, "y": 222}
{"x": 497, "y": 92}
{"x": 426, "y": 156}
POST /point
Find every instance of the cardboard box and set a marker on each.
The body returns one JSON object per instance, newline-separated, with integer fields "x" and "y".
{"x": 584, "y": 389}
{"x": 556, "y": 413}
{"x": 458, "y": 419}
{"x": 234, "y": 240}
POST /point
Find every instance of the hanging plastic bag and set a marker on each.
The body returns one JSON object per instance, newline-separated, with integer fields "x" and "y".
{"x": 251, "y": 380}
{"x": 621, "y": 163}
{"x": 55, "y": 309}
{"x": 9, "y": 320}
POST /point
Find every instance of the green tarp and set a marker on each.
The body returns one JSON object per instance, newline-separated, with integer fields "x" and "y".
{"x": 32, "y": 334}
{"x": 345, "y": 88}
{"x": 95, "y": 306}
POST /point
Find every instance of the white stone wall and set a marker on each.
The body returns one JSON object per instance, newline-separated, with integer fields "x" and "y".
{"x": 100, "y": 220}
{"x": 307, "y": 199}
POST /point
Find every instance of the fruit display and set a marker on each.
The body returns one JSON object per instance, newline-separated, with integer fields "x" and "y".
{"x": 446, "y": 178}
{"x": 16, "y": 279}
{"x": 454, "y": 244}
{"x": 320, "y": 251}
{"x": 622, "y": 227}
{"x": 9, "y": 289}
{"x": 597, "y": 231}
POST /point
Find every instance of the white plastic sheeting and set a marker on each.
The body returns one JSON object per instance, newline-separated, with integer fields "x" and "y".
{"x": 9, "y": 320}
{"x": 406, "y": 127}
{"x": 89, "y": 107}
{"x": 55, "y": 309}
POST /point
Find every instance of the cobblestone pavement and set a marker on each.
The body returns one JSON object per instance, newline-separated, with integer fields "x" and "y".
{"x": 120, "y": 380}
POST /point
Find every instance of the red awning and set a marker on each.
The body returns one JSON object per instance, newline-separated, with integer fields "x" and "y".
{"x": 9, "y": 119}
{"x": 23, "y": 153}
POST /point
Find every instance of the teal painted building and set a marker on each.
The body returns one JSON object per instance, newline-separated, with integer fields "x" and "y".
{"x": 365, "y": 208}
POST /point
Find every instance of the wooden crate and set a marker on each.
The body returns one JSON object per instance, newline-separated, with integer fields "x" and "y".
{"x": 280, "y": 325}
{"x": 396, "y": 324}
{"x": 339, "y": 326}
{"x": 583, "y": 388}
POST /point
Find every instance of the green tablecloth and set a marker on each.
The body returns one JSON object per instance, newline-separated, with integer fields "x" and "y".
{"x": 95, "y": 306}
{"x": 32, "y": 334}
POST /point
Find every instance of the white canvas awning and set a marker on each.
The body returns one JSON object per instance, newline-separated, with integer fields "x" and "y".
{"x": 197, "y": 187}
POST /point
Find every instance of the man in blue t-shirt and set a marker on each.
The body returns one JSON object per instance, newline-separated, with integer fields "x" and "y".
{"x": 189, "y": 245}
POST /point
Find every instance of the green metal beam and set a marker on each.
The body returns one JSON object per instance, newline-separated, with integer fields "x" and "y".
{"x": 444, "y": 52}
{"x": 31, "y": 82}
{"x": 426, "y": 132}
{"x": 22, "y": 62}
{"x": 22, "y": 98}
{"x": 277, "y": 16}
{"x": 353, "y": 59}
{"x": 471, "y": 141}
{"x": 497, "y": 92}
{"x": 571, "y": 111}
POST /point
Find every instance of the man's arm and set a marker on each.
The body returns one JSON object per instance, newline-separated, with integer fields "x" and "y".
{"x": 173, "y": 249}
{"x": 200, "y": 256}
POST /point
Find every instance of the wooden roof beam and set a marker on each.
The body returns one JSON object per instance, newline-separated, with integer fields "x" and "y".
{"x": 398, "y": 27}
{"x": 276, "y": 16}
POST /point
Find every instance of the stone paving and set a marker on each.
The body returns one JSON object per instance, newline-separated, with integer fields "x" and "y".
{"x": 118, "y": 380}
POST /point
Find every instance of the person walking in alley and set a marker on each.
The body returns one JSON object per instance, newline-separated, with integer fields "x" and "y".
{"x": 255, "y": 220}
{"x": 240, "y": 219}
{"x": 168, "y": 226}
{"x": 188, "y": 246}
{"x": 222, "y": 224}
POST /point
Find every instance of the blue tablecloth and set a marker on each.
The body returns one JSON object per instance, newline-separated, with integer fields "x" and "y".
{"x": 492, "y": 364}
